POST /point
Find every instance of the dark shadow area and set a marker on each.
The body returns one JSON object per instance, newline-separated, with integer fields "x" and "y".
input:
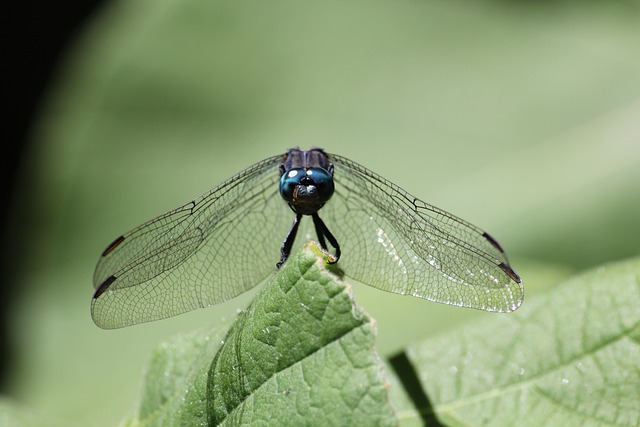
{"x": 36, "y": 35}
{"x": 409, "y": 379}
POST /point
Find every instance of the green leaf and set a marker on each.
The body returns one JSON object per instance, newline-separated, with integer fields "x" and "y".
{"x": 301, "y": 353}
{"x": 175, "y": 384}
{"x": 569, "y": 357}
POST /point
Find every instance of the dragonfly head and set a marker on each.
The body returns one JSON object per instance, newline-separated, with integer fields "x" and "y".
{"x": 306, "y": 190}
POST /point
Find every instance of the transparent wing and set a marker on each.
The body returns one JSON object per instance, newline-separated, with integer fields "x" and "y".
{"x": 398, "y": 243}
{"x": 205, "y": 252}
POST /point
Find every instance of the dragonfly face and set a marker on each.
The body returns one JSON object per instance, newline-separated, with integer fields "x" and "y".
{"x": 224, "y": 242}
{"x": 306, "y": 183}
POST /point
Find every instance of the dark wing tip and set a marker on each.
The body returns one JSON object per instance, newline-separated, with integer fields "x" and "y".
{"x": 493, "y": 242}
{"x": 104, "y": 286}
{"x": 112, "y": 246}
{"x": 510, "y": 272}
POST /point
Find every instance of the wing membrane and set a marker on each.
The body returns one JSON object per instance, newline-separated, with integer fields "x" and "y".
{"x": 393, "y": 241}
{"x": 196, "y": 255}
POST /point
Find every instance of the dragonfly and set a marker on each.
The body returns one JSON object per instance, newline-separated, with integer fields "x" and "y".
{"x": 226, "y": 241}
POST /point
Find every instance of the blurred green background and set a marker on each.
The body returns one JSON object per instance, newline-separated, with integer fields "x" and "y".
{"x": 521, "y": 117}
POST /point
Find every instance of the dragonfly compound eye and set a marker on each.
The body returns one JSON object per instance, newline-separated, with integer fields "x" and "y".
{"x": 322, "y": 181}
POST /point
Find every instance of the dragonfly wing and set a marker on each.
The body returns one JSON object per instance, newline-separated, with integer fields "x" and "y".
{"x": 205, "y": 252}
{"x": 396, "y": 242}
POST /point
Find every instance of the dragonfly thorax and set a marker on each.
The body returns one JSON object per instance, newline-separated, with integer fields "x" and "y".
{"x": 306, "y": 190}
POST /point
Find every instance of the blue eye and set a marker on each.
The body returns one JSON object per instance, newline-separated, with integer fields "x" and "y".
{"x": 288, "y": 182}
{"x": 323, "y": 182}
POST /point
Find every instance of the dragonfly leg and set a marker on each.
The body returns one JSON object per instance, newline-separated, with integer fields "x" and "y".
{"x": 318, "y": 223}
{"x": 285, "y": 250}
{"x": 323, "y": 231}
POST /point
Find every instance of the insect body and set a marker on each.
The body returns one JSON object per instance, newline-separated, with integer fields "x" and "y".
{"x": 224, "y": 243}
